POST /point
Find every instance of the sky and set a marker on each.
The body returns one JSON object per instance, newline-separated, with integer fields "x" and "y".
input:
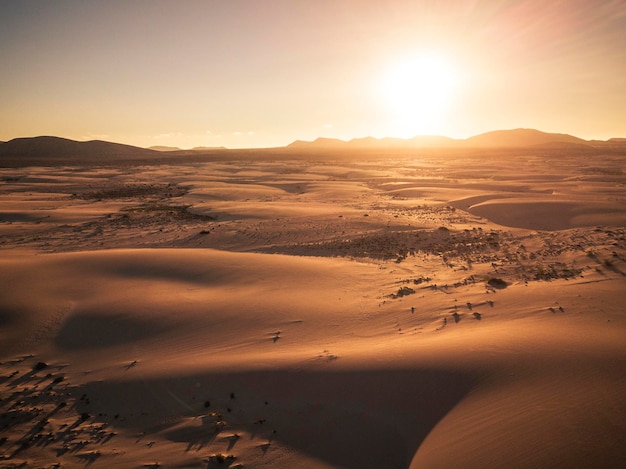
{"x": 263, "y": 73}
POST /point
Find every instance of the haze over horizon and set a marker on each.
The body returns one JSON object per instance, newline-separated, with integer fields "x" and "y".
{"x": 243, "y": 74}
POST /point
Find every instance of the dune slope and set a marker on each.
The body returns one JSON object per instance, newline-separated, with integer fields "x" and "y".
{"x": 188, "y": 348}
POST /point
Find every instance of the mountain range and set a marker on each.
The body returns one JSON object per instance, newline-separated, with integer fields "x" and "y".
{"x": 516, "y": 138}
{"x": 44, "y": 148}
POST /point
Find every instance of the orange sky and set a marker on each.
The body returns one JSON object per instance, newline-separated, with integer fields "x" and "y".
{"x": 264, "y": 73}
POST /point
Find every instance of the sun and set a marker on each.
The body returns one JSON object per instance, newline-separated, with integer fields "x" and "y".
{"x": 418, "y": 92}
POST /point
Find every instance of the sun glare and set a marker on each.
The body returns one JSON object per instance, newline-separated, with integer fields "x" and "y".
{"x": 418, "y": 92}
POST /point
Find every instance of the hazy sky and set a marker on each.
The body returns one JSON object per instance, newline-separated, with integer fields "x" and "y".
{"x": 252, "y": 73}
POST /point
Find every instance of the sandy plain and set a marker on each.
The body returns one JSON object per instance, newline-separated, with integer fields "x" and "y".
{"x": 318, "y": 311}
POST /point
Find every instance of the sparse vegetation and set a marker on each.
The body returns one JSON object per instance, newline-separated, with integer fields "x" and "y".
{"x": 497, "y": 283}
{"x": 130, "y": 191}
{"x": 556, "y": 270}
{"x": 404, "y": 291}
{"x": 473, "y": 246}
{"x": 221, "y": 458}
{"x": 177, "y": 212}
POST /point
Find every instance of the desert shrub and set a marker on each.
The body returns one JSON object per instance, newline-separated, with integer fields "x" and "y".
{"x": 221, "y": 458}
{"x": 404, "y": 291}
{"x": 497, "y": 283}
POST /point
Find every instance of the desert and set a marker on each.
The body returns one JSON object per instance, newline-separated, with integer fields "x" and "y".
{"x": 313, "y": 306}
{"x": 313, "y": 234}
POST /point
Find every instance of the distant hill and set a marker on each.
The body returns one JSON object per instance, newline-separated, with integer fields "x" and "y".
{"x": 317, "y": 143}
{"x": 56, "y": 147}
{"x": 520, "y": 138}
{"x": 515, "y": 138}
{"x": 372, "y": 142}
{"x": 33, "y": 151}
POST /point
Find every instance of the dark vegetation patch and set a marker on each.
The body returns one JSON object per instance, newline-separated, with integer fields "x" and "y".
{"x": 556, "y": 270}
{"x": 497, "y": 283}
{"x": 130, "y": 191}
{"x": 152, "y": 216}
{"x": 174, "y": 212}
{"x": 403, "y": 291}
{"x": 469, "y": 245}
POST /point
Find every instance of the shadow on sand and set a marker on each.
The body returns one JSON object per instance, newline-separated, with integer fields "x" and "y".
{"x": 351, "y": 419}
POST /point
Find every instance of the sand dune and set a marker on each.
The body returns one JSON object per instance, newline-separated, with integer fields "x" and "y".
{"x": 542, "y": 214}
{"x": 188, "y": 325}
{"x": 420, "y": 313}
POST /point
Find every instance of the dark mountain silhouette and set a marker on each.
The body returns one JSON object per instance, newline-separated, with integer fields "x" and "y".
{"x": 372, "y": 142}
{"x": 516, "y": 138}
{"x": 56, "y": 148}
{"x": 47, "y": 150}
{"x": 317, "y": 143}
{"x": 520, "y": 138}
